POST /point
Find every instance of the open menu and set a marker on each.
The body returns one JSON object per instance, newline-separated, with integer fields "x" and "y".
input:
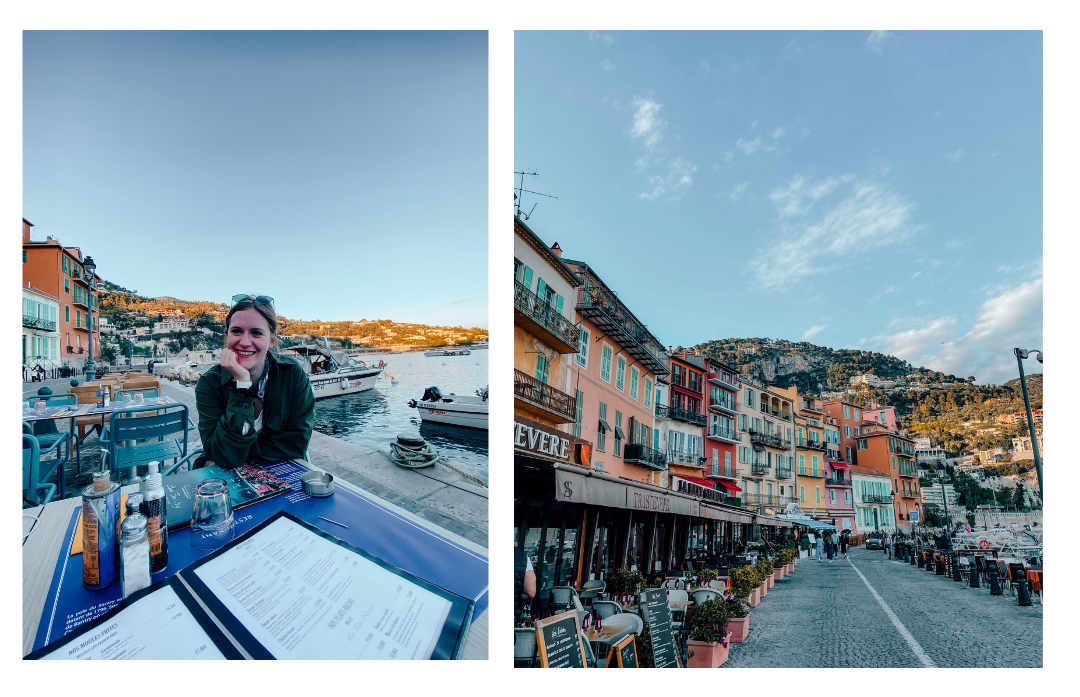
{"x": 285, "y": 589}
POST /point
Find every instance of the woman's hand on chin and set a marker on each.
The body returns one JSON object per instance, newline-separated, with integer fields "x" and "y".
{"x": 231, "y": 363}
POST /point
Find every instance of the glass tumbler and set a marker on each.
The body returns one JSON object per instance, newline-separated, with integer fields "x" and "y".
{"x": 40, "y": 406}
{"x": 212, "y": 523}
{"x": 138, "y": 398}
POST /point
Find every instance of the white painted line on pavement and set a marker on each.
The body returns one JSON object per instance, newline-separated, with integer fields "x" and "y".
{"x": 915, "y": 647}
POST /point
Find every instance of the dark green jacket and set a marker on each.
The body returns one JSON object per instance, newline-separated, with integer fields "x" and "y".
{"x": 288, "y": 416}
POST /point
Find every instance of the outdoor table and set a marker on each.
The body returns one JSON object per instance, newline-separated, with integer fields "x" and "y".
{"x": 65, "y": 411}
{"x": 53, "y": 592}
{"x": 606, "y": 636}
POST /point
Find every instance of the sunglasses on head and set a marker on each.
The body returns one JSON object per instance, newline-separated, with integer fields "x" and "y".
{"x": 262, "y": 299}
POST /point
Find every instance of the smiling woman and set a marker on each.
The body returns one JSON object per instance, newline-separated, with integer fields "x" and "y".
{"x": 254, "y": 406}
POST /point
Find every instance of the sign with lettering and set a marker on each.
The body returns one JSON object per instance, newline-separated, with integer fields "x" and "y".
{"x": 623, "y": 654}
{"x": 539, "y": 439}
{"x": 665, "y": 654}
{"x": 558, "y": 641}
{"x": 695, "y": 489}
{"x": 578, "y": 488}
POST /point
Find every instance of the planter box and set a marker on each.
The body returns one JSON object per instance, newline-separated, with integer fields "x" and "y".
{"x": 755, "y": 596}
{"x": 779, "y": 573}
{"x": 738, "y": 628}
{"x": 764, "y": 588}
{"x": 790, "y": 568}
{"x": 707, "y": 655}
{"x": 770, "y": 579}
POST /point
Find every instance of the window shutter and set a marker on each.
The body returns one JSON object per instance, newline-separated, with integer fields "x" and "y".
{"x": 527, "y": 279}
{"x": 541, "y": 290}
{"x": 558, "y": 304}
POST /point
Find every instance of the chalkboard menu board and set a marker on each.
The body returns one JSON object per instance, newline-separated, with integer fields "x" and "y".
{"x": 558, "y": 640}
{"x": 665, "y": 654}
{"x": 623, "y": 654}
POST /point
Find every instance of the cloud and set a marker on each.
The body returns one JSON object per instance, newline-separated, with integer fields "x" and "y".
{"x": 792, "y": 47}
{"x": 648, "y": 126}
{"x": 1011, "y": 318}
{"x": 607, "y": 65}
{"x": 704, "y": 67}
{"x": 865, "y": 218}
{"x": 953, "y": 244}
{"x": 877, "y": 39}
{"x": 750, "y": 147}
{"x": 753, "y": 125}
{"x": 778, "y": 133}
{"x": 814, "y": 330}
{"x": 954, "y": 156}
{"x": 738, "y": 191}
{"x": 597, "y": 37}
{"x": 728, "y": 155}
{"x": 673, "y": 184}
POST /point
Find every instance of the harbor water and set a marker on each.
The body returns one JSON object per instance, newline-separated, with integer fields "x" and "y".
{"x": 373, "y": 418}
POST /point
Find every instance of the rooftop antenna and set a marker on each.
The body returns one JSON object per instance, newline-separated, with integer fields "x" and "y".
{"x": 521, "y": 189}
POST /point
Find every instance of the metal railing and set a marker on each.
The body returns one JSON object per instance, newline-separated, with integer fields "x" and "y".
{"x": 678, "y": 414}
{"x": 38, "y": 323}
{"x": 718, "y": 470}
{"x": 610, "y": 315}
{"x": 529, "y": 304}
{"x": 837, "y": 481}
{"x": 766, "y": 500}
{"x": 674, "y": 457}
{"x": 726, "y": 433}
{"x": 759, "y": 467}
{"x": 810, "y": 444}
{"x": 543, "y": 395}
{"x": 719, "y": 380}
{"x": 644, "y": 456}
{"x": 728, "y": 404}
{"x": 783, "y": 472}
{"x": 877, "y": 498}
{"x": 772, "y": 439}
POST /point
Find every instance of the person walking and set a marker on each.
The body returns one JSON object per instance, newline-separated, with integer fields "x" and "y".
{"x": 843, "y": 544}
{"x": 820, "y": 543}
{"x": 887, "y": 539}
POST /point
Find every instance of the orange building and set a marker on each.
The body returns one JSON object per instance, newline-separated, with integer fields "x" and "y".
{"x": 849, "y": 421}
{"x": 893, "y": 453}
{"x": 58, "y": 270}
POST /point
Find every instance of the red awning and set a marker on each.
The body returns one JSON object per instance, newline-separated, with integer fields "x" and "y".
{"x": 729, "y": 486}
{"x": 703, "y": 482}
{"x": 841, "y": 465}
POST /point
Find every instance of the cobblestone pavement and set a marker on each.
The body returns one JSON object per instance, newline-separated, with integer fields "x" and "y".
{"x": 824, "y": 616}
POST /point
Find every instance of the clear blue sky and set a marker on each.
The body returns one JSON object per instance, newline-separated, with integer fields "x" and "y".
{"x": 873, "y": 190}
{"x": 344, "y": 173}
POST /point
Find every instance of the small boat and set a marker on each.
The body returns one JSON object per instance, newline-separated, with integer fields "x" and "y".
{"x": 452, "y": 409}
{"x": 334, "y": 375}
{"x": 447, "y": 352}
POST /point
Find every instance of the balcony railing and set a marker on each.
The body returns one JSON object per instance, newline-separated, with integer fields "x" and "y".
{"x": 837, "y": 481}
{"x": 831, "y": 454}
{"x": 723, "y": 434}
{"x": 725, "y": 404}
{"x": 38, "y": 323}
{"x": 758, "y": 468}
{"x": 540, "y": 395}
{"x": 808, "y": 406}
{"x": 678, "y": 414}
{"x": 608, "y": 313}
{"x": 718, "y": 470}
{"x": 810, "y": 444}
{"x": 644, "y": 456}
{"x": 674, "y": 457}
{"x": 783, "y": 472}
{"x": 877, "y": 498}
{"x": 772, "y": 439}
{"x": 766, "y": 500}
{"x": 544, "y": 316}
{"x": 718, "y": 379}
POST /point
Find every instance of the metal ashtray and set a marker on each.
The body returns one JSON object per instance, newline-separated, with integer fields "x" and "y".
{"x": 317, "y": 484}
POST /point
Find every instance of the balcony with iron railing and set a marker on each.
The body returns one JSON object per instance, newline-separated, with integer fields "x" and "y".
{"x": 831, "y": 454}
{"x": 811, "y": 406}
{"x": 678, "y": 414}
{"x": 608, "y": 313}
{"x": 718, "y": 379}
{"x": 541, "y": 319}
{"x": 767, "y": 500}
{"x": 763, "y": 438}
{"x": 644, "y": 456}
{"x": 674, "y": 457}
{"x": 724, "y": 434}
{"x": 758, "y": 467}
{"x": 39, "y": 323}
{"x": 541, "y": 399}
{"x": 810, "y": 444}
{"x": 783, "y": 472}
{"x": 728, "y": 405}
{"x": 837, "y": 481}
{"x": 718, "y": 471}
{"x": 877, "y": 498}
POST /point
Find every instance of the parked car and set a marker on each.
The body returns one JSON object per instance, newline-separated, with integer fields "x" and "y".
{"x": 874, "y": 541}
{"x": 192, "y": 364}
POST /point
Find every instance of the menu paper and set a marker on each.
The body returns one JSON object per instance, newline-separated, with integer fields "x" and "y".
{"x": 157, "y": 626}
{"x": 304, "y": 597}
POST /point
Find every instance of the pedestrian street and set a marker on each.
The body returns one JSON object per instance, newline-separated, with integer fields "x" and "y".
{"x": 826, "y": 615}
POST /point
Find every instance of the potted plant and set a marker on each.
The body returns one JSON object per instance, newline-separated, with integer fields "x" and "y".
{"x": 705, "y": 576}
{"x": 744, "y": 583}
{"x": 765, "y": 573}
{"x": 739, "y": 624}
{"x": 708, "y": 643}
{"x": 625, "y": 581}
{"x": 778, "y": 565}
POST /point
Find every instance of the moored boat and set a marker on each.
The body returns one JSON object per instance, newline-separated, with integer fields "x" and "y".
{"x": 454, "y": 410}
{"x": 447, "y": 352}
{"x": 334, "y": 375}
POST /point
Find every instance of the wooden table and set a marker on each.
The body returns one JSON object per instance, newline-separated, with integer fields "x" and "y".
{"x": 49, "y": 523}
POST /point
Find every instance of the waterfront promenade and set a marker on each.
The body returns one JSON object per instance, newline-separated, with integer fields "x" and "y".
{"x": 826, "y": 616}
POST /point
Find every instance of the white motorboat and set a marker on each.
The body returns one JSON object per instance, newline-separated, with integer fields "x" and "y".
{"x": 452, "y": 409}
{"x": 447, "y": 352}
{"x": 333, "y": 373}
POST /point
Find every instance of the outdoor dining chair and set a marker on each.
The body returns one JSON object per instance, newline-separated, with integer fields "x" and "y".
{"x": 677, "y": 616}
{"x": 606, "y": 608}
{"x": 33, "y": 483}
{"x": 590, "y": 656}
{"x": 561, "y": 598}
{"x": 131, "y": 442}
{"x": 703, "y": 594}
{"x": 524, "y": 647}
{"x": 590, "y": 590}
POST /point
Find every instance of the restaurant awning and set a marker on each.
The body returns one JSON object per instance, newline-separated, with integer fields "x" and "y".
{"x": 729, "y": 486}
{"x": 579, "y": 485}
{"x": 839, "y": 465}
{"x": 726, "y": 514}
{"x": 812, "y": 524}
{"x": 703, "y": 482}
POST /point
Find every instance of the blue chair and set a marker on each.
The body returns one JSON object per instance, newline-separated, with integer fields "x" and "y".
{"x": 50, "y": 440}
{"x": 46, "y": 431}
{"x": 131, "y": 442}
{"x": 147, "y": 392}
{"x": 33, "y": 485}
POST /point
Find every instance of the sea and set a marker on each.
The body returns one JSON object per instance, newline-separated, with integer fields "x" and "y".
{"x": 373, "y": 418}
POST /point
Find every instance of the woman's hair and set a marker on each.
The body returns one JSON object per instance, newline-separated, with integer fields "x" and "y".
{"x": 263, "y": 309}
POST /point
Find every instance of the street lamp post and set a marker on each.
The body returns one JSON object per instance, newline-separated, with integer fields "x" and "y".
{"x": 1021, "y": 354}
{"x": 90, "y": 267}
